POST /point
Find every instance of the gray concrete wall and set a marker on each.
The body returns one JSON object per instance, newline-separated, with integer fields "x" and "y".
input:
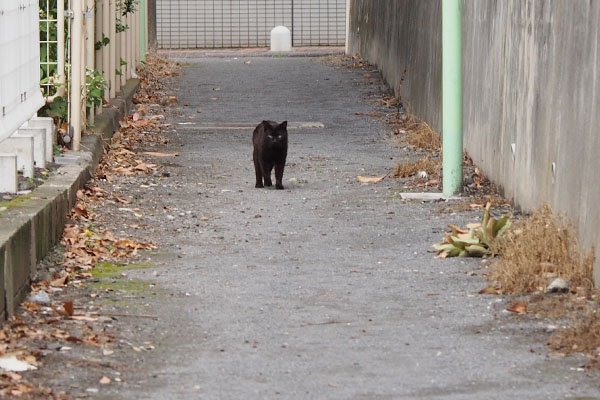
{"x": 531, "y": 78}
{"x": 398, "y": 36}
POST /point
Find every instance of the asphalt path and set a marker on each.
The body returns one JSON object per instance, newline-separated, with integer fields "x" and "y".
{"x": 324, "y": 290}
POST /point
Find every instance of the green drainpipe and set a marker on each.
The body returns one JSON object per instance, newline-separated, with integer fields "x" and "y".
{"x": 452, "y": 93}
{"x": 143, "y": 30}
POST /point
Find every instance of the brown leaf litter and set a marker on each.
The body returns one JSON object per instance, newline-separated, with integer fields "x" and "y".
{"x": 62, "y": 321}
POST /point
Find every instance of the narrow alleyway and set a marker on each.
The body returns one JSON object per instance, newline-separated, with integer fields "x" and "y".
{"x": 324, "y": 290}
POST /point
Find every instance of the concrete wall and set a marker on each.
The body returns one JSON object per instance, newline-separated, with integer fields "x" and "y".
{"x": 531, "y": 78}
{"x": 402, "y": 35}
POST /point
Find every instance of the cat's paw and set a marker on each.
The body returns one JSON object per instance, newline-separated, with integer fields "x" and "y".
{"x": 268, "y": 183}
{"x": 279, "y": 186}
{"x": 259, "y": 186}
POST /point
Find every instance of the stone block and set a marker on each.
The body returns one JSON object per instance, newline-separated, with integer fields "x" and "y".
{"x": 48, "y": 124}
{"x": 8, "y": 173}
{"x": 39, "y": 144}
{"x": 23, "y": 148}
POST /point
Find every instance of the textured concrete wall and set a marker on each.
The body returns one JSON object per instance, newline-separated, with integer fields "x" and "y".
{"x": 531, "y": 76}
{"x": 398, "y": 36}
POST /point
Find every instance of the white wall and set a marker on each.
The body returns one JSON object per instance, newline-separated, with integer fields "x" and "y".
{"x": 20, "y": 95}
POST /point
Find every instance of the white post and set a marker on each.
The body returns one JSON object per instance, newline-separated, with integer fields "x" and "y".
{"x": 347, "y": 50}
{"x": 122, "y": 52}
{"x": 128, "y": 51}
{"x": 106, "y": 49}
{"x": 76, "y": 56}
{"x": 98, "y": 64}
{"x": 137, "y": 37}
{"x": 114, "y": 46}
{"x": 89, "y": 47}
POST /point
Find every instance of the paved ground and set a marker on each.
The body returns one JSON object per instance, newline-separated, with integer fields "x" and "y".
{"x": 324, "y": 290}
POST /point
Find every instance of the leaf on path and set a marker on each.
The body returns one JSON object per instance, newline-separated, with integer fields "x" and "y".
{"x": 68, "y": 306}
{"x": 490, "y": 290}
{"x": 365, "y": 179}
{"x": 519, "y": 308}
{"x": 105, "y": 380}
{"x": 60, "y": 281}
{"x": 155, "y": 154}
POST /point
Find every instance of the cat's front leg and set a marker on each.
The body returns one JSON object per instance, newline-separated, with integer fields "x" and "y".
{"x": 257, "y": 170}
{"x": 266, "y": 169}
{"x": 279, "y": 176}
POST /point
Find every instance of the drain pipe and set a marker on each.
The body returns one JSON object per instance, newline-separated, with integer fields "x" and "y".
{"x": 452, "y": 96}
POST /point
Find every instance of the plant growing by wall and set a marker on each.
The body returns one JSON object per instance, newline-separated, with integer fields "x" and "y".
{"x": 95, "y": 85}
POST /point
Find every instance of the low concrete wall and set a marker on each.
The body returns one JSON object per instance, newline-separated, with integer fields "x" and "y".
{"x": 33, "y": 223}
{"x": 531, "y": 79}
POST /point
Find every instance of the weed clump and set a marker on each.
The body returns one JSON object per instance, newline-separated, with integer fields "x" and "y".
{"x": 582, "y": 337}
{"x": 419, "y": 134}
{"x": 537, "y": 250}
{"x": 411, "y": 168}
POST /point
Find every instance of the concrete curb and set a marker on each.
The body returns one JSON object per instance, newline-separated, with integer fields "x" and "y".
{"x": 32, "y": 224}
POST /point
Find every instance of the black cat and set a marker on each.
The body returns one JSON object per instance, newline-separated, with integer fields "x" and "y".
{"x": 270, "y": 141}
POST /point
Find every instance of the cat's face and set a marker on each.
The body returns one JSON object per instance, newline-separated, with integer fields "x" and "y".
{"x": 277, "y": 133}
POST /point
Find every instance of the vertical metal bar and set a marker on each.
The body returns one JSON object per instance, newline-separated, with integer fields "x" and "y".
{"x": 106, "y": 49}
{"x": 347, "y": 43}
{"x": 98, "y": 37}
{"x": 452, "y": 101}
{"x": 89, "y": 48}
{"x": 114, "y": 46}
{"x": 122, "y": 50}
{"x": 76, "y": 54}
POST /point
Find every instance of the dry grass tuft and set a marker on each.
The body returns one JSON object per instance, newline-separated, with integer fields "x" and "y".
{"x": 582, "y": 337}
{"x": 419, "y": 134}
{"x": 410, "y": 168}
{"x": 538, "y": 249}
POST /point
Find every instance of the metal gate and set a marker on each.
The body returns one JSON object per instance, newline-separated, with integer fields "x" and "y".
{"x": 248, "y": 23}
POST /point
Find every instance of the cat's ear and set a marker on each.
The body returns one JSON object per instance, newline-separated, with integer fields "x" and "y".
{"x": 267, "y": 125}
{"x": 283, "y": 125}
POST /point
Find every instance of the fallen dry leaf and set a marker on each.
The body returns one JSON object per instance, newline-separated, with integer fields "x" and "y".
{"x": 152, "y": 153}
{"x": 60, "y": 281}
{"x": 105, "y": 380}
{"x": 365, "y": 179}
{"x": 68, "y": 306}
{"x": 489, "y": 290}
{"x": 519, "y": 308}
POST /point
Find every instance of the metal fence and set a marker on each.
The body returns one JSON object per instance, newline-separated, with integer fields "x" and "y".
{"x": 248, "y": 23}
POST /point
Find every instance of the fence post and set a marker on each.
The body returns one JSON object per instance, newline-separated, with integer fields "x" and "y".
{"x": 143, "y": 44}
{"x": 98, "y": 64}
{"x": 76, "y": 57}
{"x": 452, "y": 97}
{"x": 122, "y": 52}
{"x": 89, "y": 48}
{"x": 114, "y": 85}
{"x": 106, "y": 49}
